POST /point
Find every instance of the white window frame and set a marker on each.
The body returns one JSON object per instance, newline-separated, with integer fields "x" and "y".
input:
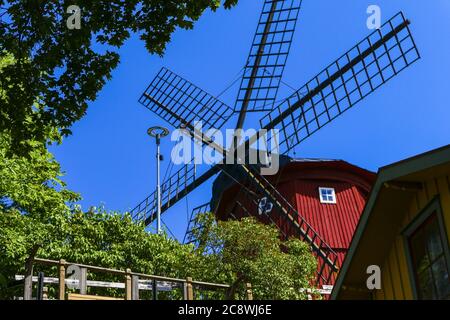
{"x": 326, "y": 201}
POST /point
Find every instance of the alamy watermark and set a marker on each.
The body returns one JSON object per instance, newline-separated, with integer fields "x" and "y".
{"x": 374, "y": 19}
{"x": 374, "y": 280}
{"x": 264, "y": 151}
{"x": 74, "y": 20}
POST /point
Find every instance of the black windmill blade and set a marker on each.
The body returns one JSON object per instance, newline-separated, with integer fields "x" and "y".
{"x": 172, "y": 189}
{"x": 175, "y": 188}
{"x": 268, "y": 55}
{"x": 356, "y": 74}
{"x": 181, "y": 103}
{"x": 195, "y": 226}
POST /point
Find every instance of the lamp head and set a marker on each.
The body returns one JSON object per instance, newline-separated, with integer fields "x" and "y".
{"x": 158, "y": 131}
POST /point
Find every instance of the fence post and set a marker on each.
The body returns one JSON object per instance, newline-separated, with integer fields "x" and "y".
{"x": 135, "y": 285}
{"x": 62, "y": 279}
{"x": 248, "y": 291}
{"x": 40, "y": 286}
{"x": 28, "y": 284}
{"x": 189, "y": 289}
{"x": 154, "y": 289}
{"x": 128, "y": 285}
{"x": 83, "y": 281}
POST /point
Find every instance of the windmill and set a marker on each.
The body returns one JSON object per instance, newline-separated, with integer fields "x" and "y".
{"x": 341, "y": 85}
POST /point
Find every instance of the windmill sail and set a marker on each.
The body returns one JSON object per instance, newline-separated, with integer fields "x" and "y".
{"x": 359, "y": 72}
{"x": 177, "y": 186}
{"x": 268, "y": 55}
{"x": 146, "y": 210}
{"x": 195, "y": 226}
{"x": 181, "y": 103}
{"x": 356, "y": 74}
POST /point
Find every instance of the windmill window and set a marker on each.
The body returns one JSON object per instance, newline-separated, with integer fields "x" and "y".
{"x": 327, "y": 195}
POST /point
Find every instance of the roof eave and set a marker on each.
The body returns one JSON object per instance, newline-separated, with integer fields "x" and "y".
{"x": 388, "y": 173}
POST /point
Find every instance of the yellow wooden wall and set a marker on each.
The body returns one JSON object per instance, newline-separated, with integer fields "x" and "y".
{"x": 396, "y": 282}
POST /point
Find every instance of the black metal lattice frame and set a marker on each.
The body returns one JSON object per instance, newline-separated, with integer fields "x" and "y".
{"x": 170, "y": 189}
{"x": 194, "y": 225}
{"x": 145, "y": 210}
{"x": 172, "y": 98}
{"x": 355, "y": 75}
{"x": 268, "y": 55}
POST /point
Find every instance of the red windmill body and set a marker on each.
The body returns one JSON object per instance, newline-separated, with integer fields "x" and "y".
{"x": 329, "y": 194}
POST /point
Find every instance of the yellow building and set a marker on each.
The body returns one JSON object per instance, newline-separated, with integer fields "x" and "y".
{"x": 404, "y": 230}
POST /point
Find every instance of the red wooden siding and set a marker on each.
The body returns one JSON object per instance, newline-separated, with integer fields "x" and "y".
{"x": 336, "y": 223}
{"x": 299, "y": 183}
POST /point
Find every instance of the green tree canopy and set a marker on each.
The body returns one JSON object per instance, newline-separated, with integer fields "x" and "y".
{"x": 97, "y": 237}
{"x": 247, "y": 251}
{"x": 61, "y": 70}
{"x": 236, "y": 252}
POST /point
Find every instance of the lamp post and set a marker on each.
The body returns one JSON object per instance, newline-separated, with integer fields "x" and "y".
{"x": 158, "y": 133}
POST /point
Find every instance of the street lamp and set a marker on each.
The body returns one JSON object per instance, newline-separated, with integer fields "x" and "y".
{"x": 158, "y": 133}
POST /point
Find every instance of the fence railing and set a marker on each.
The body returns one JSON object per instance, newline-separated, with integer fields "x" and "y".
{"x": 133, "y": 282}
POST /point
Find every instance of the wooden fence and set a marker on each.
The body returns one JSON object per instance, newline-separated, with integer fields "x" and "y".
{"x": 133, "y": 282}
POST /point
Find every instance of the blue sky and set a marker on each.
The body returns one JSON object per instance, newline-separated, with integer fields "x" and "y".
{"x": 109, "y": 158}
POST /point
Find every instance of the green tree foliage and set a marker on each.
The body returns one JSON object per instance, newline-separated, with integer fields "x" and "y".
{"x": 31, "y": 183}
{"x": 236, "y": 252}
{"x": 61, "y": 70}
{"x": 38, "y": 218}
{"x": 31, "y": 186}
{"x": 95, "y": 238}
{"x": 34, "y": 202}
{"x": 246, "y": 251}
